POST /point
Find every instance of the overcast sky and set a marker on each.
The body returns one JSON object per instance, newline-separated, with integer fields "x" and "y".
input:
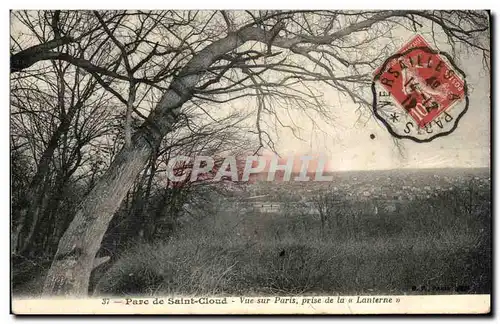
{"x": 349, "y": 146}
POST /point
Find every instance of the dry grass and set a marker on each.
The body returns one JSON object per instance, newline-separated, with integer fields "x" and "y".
{"x": 229, "y": 254}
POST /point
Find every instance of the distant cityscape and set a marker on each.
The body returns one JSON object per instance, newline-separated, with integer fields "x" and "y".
{"x": 387, "y": 184}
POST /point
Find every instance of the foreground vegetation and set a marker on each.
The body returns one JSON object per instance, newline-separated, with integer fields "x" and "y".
{"x": 437, "y": 245}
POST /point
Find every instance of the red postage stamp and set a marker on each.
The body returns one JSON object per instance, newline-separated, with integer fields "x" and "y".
{"x": 424, "y": 84}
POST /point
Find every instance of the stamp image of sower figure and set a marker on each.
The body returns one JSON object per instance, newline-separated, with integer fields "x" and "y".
{"x": 419, "y": 93}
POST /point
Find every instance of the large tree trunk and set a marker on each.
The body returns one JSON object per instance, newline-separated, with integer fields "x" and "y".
{"x": 74, "y": 259}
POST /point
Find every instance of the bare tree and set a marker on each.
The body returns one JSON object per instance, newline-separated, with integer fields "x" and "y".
{"x": 277, "y": 58}
{"x": 49, "y": 105}
{"x": 324, "y": 202}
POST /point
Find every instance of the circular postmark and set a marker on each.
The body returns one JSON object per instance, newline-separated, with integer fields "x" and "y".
{"x": 419, "y": 93}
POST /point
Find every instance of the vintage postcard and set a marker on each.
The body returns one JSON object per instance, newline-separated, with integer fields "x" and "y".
{"x": 250, "y": 162}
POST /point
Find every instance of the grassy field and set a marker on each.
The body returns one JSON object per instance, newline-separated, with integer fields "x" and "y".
{"x": 437, "y": 240}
